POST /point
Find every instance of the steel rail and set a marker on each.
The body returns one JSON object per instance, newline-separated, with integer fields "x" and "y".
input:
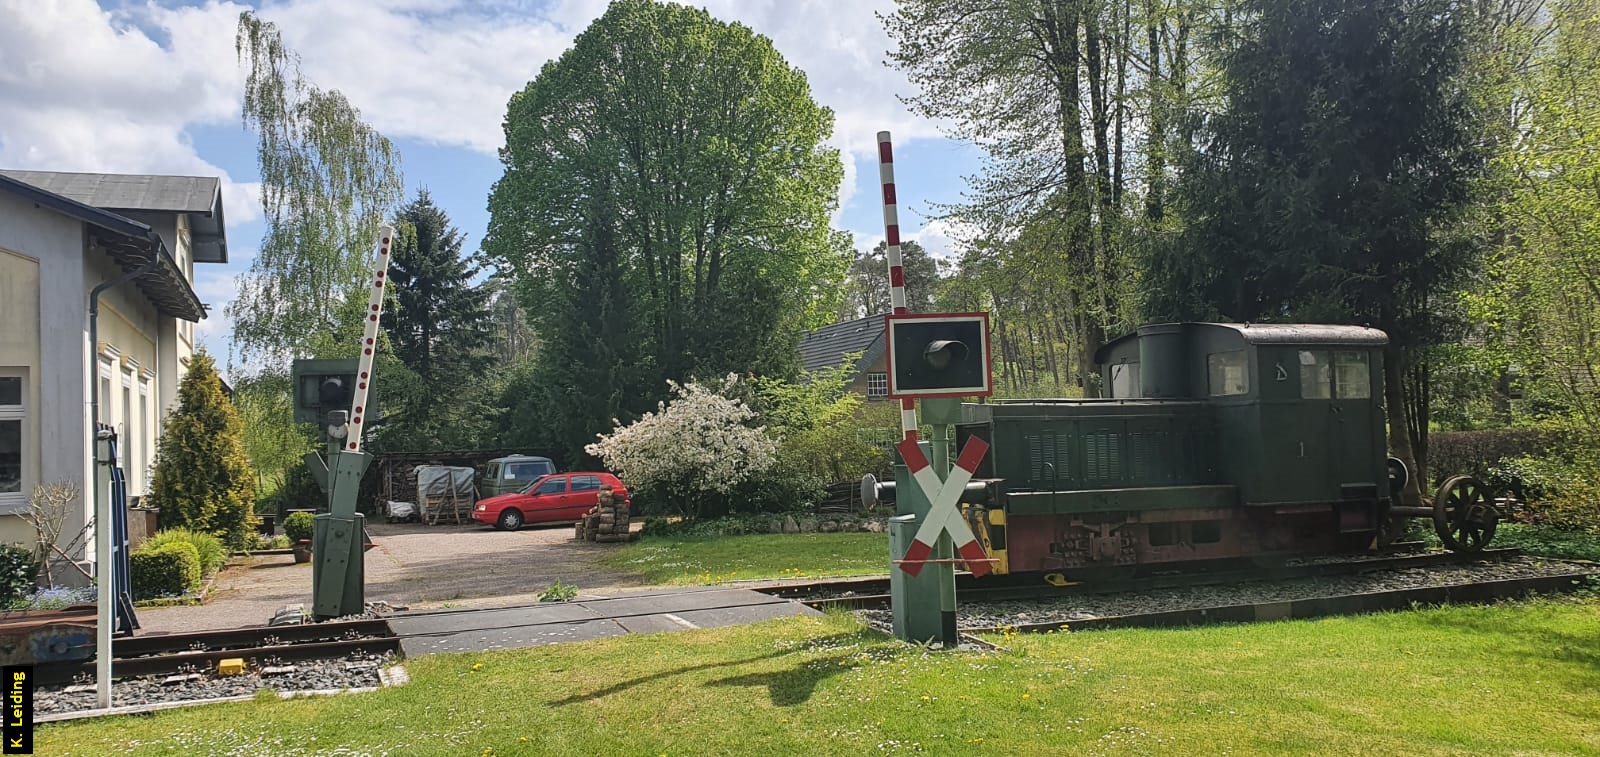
{"x": 1316, "y": 607}
{"x": 871, "y": 596}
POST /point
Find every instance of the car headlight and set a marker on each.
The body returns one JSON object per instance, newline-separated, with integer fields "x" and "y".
{"x": 481, "y": 508}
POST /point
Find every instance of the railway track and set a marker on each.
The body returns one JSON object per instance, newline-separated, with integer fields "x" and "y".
{"x": 174, "y": 654}
{"x": 862, "y": 594}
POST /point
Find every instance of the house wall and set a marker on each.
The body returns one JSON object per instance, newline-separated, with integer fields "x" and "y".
{"x": 45, "y": 324}
{"x": 859, "y": 383}
{"x": 128, "y": 330}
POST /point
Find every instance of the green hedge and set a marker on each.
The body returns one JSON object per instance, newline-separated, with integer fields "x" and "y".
{"x": 1480, "y": 453}
{"x": 209, "y": 548}
{"x": 171, "y": 569}
{"x": 17, "y": 571}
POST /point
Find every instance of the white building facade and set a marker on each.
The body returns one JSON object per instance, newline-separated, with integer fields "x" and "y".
{"x": 61, "y": 235}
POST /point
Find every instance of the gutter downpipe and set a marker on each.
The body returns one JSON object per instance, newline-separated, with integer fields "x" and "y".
{"x": 106, "y": 590}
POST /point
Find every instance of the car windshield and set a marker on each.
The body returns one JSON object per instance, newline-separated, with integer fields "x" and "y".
{"x": 531, "y": 484}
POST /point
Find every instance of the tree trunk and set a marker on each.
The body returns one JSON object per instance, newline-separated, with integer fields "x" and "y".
{"x": 1394, "y": 397}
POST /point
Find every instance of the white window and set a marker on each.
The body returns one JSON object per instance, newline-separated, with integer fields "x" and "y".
{"x": 13, "y": 417}
{"x": 146, "y": 432}
{"x": 877, "y": 386}
{"x": 126, "y": 437}
{"x": 1227, "y": 373}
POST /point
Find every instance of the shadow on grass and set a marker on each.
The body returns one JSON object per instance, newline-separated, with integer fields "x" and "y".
{"x": 793, "y": 686}
{"x": 1535, "y": 640}
{"x": 788, "y": 686}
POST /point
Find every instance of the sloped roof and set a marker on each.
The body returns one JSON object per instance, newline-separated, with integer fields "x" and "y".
{"x": 130, "y": 244}
{"x": 198, "y": 196}
{"x": 826, "y": 347}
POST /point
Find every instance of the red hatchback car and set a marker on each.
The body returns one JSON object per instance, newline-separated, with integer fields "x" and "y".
{"x": 556, "y": 498}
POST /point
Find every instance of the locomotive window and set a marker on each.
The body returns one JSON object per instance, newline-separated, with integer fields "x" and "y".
{"x": 1227, "y": 373}
{"x": 1316, "y": 375}
{"x": 1352, "y": 379}
{"x": 1335, "y": 375}
{"x": 1125, "y": 380}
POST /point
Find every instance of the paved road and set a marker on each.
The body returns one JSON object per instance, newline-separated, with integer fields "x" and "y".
{"x": 414, "y": 566}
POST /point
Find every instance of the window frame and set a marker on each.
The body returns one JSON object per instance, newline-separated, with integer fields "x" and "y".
{"x": 1332, "y": 362}
{"x": 17, "y": 501}
{"x": 1244, "y": 355}
{"x": 877, "y": 386}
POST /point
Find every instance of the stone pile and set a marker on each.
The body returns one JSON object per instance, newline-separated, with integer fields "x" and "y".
{"x": 606, "y": 522}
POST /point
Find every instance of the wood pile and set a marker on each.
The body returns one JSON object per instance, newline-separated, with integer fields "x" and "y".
{"x": 606, "y": 522}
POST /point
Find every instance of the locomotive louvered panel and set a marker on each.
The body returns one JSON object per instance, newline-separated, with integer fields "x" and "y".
{"x": 1102, "y": 462}
{"x": 1152, "y": 454}
{"x": 1066, "y": 477}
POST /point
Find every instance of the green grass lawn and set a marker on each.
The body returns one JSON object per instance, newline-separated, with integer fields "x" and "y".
{"x": 1516, "y": 678}
{"x": 714, "y": 559}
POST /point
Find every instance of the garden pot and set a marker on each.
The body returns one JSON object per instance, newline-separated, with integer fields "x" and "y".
{"x": 302, "y": 551}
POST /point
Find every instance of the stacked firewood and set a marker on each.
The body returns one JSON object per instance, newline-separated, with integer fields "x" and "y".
{"x": 605, "y": 522}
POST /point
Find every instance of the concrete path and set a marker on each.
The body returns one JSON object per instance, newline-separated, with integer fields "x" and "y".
{"x": 592, "y": 618}
{"x": 412, "y": 566}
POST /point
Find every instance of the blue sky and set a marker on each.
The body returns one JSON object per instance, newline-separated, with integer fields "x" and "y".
{"x": 154, "y": 87}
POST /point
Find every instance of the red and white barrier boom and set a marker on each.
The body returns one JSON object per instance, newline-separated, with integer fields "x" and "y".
{"x": 897, "y": 270}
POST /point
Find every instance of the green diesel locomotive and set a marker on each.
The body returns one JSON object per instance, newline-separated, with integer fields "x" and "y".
{"x": 1217, "y": 440}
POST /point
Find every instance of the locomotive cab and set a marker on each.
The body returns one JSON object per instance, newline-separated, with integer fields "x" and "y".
{"x": 1216, "y": 440}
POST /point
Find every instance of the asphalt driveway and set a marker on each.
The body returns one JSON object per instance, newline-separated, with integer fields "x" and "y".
{"x": 413, "y": 566}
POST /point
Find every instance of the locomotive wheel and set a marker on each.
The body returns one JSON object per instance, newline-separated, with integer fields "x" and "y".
{"x": 1463, "y": 514}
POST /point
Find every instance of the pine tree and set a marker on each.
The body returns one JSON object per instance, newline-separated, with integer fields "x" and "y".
{"x": 440, "y": 322}
{"x": 203, "y": 480}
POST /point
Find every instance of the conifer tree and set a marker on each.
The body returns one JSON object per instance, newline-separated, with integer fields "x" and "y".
{"x": 202, "y": 479}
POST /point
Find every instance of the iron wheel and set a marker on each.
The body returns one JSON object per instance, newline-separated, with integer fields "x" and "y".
{"x": 1464, "y": 515}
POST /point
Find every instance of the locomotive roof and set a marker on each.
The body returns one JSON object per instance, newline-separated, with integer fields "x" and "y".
{"x": 1270, "y": 333}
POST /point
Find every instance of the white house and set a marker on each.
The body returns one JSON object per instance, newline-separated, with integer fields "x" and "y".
{"x": 61, "y": 235}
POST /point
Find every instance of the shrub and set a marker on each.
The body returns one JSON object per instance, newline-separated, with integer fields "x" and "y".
{"x": 18, "y": 567}
{"x": 171, "y": 569}
{"x": 694, "y": 452}
{"x": 57, "y": 598}
{"x": 202, "y": 477}
{"x": 1480, "y": 453}
{"x": 209, "y": 548}
{"x": 298, "y": 526}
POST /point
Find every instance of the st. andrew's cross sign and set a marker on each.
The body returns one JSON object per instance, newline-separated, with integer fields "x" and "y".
{"x": 943, "y": 517}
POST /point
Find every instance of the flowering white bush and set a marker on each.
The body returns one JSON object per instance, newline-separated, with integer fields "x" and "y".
{"x": 696, "y": 444}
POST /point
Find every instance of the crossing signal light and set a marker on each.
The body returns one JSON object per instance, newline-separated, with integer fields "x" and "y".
{"x": 939, "y": 355}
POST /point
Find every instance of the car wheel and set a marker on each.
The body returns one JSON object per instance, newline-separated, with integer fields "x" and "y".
{"x": 510, "y": 520}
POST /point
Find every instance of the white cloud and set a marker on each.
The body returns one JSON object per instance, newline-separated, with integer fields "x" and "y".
{"x": 944, "y": 239}
{"x": 84, "y": 89}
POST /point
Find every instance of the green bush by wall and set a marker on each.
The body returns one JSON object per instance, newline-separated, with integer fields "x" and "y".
{"x": 209, "y": 548}
{"x": 171, "y": 569}
{"x": 17, "y": 571}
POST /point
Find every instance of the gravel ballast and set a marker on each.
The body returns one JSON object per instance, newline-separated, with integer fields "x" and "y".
{"x": 307, "y": 675}
{"x": 975, "y": 615}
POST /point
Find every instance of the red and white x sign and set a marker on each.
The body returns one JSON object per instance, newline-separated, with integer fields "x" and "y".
{"x": 943, "y": 517}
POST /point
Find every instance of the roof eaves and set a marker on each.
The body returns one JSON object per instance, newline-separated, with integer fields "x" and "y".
{"x": 183, "y": 303}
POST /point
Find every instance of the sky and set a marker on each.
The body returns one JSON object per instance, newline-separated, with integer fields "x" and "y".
{"x": 155, "y": 87}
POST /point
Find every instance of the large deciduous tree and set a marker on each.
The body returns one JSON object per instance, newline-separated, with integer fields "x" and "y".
{"x": 1330, "y": 187}
{"x": 665, "y": 209}
{"x": 327, "y": 182}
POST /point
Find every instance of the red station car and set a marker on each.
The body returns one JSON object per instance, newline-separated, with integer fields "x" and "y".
{"x": 556, "y": 498}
